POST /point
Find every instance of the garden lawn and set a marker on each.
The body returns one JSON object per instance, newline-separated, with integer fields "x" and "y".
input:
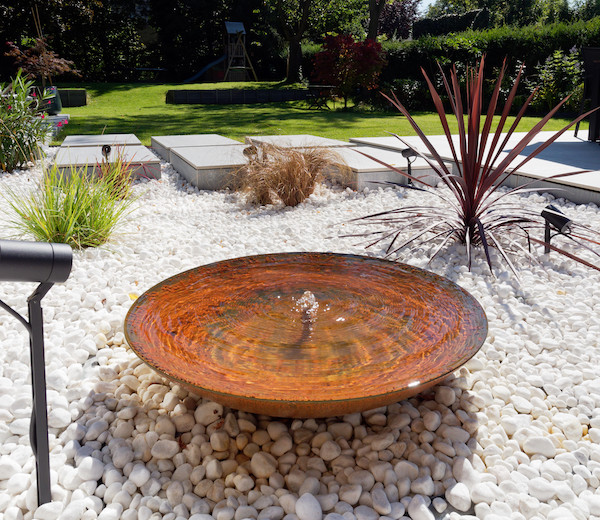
{"x": 140, "y": 109}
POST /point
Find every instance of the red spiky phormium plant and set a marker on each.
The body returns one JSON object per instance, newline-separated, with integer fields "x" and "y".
{"x": 471, "y": 211}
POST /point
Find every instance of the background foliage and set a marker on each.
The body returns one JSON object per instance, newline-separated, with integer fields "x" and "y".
{"x": 22, "y": 127}
{"x": 119, "y": 40}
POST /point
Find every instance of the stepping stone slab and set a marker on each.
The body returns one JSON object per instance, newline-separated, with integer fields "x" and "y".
{"x": 101, "y": 140}
{"x": 296, "y": 141}
{"x": 209, "y": 167}
{"x": 366, "y": 172}
{"x": 143, "y": 162}
{"x": 163, "y": 144}
{"x": 567, "y": 154}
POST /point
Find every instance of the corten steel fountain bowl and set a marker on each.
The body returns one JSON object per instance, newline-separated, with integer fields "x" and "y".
{"x": 306, "y": 334}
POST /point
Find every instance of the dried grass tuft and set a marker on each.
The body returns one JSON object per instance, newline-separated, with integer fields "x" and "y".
{"x": 288, "y": 175}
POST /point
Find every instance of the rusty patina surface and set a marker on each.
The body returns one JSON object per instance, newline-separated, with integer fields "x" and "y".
{"x": 306, "y": 334}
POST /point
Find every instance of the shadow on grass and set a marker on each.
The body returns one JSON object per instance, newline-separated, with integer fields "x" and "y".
{"x": 235, "y": 121}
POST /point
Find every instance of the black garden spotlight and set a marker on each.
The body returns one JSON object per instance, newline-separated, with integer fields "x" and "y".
{"x": 409, "y": 154}
{"x": 46, "y": 264}
{"x": 554, "y": 219}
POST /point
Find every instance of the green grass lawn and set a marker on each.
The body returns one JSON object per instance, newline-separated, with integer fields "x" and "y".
{"x": 140, "y": 109}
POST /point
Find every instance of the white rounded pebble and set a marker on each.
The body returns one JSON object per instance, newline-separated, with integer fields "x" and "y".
{"x": 111, "y": 512}
{"x": 219, "y": 441}
{"x": 282, "y": 445}
{"x": 310, "y": 485}
{"x": 90, "y": 468}
{"x": 418, "y": 510}
{"x": 243, "y": 483}
{"x": 541, "y": 489}
{"x": 423, "y": 486}
{"x": 458, "y": 496}
{"x": 59, "y": 418}
{"x": 350, "y": 493}
{"x": 569, "y": 424}
{"x": 164, "y": 449}
{"x": 445, "y": 395}
{"x": 14, "y": 513}
{"x": 18, "y": 483}
{"x": 381, "y": 503}
{"x": 208, "y": 413}
{"x": 539, "y": 445}
{"x": 48, "y": 511}
{"x": 521, "y": 404}
{"x": 365, "y": 513}
{"x": 139, "y": 475}
{"x": 308, "y": 508}
{"x": 439, "y": 504}
{"x": 263, "y": 465}
{"x": 271, "y": 513}
{"x": 330, "y": 450}
{"x": 432, "y": 420}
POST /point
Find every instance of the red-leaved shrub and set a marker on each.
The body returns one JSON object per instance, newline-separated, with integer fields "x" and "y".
{"x": 349, "y": 65}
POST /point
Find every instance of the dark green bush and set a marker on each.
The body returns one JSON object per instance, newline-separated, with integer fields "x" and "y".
{"x": 530, "y": 45}
{"x": 477, "y": 19}
{"x": 559, "y": 76}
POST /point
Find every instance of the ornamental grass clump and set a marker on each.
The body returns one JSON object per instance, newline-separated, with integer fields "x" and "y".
{"x": 116, "y": 175}
{"x": 71, "y": 208}
{"x": 22, "y": 125}
{"x": 471, "y": 209}
{"x": 288, "y": 175}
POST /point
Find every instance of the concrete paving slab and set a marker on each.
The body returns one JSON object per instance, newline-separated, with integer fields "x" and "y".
{"x": 568, "y": 154}
{"x": 163, "y": 144}
{"x": 367, "y": 172}
{"x": 101, "y": 140}
{"x": 143, "y": 162}
{"x": 296, "y": 141}
{"x": 209, "y": 167}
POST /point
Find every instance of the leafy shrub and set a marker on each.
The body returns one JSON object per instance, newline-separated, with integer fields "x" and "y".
{"x": 348, "y": 64}
{"x": 397, "y": 18}
{"x": 286, "y": 174}
{"x": 72, "y": 208}
{"x": 22, "y": 127}
{"x": 561, "y": 75}
{"x": 39, "y": 62}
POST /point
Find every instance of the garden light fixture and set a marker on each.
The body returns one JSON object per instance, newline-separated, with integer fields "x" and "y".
{"x": 46, "y": 264}
{"x": 554, "y": 219}
{"x": 409, "y": 154}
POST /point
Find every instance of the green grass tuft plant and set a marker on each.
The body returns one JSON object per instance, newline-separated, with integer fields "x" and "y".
{"x": 116, "y": 175}
{"x": 73, "y": 207}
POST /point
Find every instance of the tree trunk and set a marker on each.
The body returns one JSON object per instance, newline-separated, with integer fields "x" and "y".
{"x": 375, "y": 9}
{"x": 294, "y": 61}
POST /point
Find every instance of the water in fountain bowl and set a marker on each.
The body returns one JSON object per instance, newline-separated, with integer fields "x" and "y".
{"x": 306, "y": 334}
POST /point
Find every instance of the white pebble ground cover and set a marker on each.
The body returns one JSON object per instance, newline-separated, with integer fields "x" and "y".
{"x": 514, "y": 434}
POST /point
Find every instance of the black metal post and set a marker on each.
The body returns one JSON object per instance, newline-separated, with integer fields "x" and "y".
{"x": 38, "y": 429}
{"x": 46, "y": 264}
{"x": 547, "y": 238}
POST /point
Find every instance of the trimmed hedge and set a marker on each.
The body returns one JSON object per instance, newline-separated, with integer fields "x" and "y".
{"x": 531, "y": 45}
{"x": 234, "y": 96}
{"x": 477, "y": 19}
